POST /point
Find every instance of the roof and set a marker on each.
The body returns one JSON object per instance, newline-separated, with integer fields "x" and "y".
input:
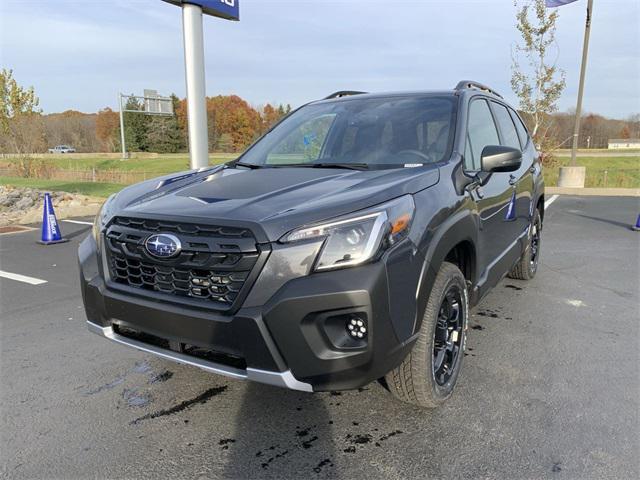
{"x": 413, "y": 93}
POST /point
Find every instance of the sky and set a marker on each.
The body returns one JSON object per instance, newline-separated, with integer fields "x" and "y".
{"x": 78, "y": 54}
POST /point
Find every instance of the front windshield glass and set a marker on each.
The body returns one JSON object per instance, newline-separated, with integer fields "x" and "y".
{"x": 369, "y": 132}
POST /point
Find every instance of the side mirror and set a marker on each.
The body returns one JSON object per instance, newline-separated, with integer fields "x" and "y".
{"x": 496, "y": 158}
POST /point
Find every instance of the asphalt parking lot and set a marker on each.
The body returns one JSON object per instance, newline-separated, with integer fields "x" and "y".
{"x": 550, "y": 387}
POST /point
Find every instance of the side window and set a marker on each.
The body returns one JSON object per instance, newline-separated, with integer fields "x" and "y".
{"x": 522, "y": 131}
{"x": 481, "y": 131}
{"x": 508, "y": 129}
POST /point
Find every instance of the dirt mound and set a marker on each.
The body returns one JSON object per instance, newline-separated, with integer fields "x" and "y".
{"x": 24, "y": 205}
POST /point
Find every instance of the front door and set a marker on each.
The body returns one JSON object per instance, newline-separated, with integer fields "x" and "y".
{"x": 493, "y": 199}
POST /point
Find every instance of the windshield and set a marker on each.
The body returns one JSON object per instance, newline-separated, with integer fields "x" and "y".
{"x": 366, "y": 132}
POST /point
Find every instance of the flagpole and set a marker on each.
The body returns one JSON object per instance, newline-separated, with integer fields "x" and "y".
{"x": 583, "y": 68}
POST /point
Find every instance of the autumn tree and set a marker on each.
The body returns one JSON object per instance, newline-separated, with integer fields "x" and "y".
{"x": 234, "y": 118}
{"x": 536, "y": 80}
{"x": 625, "y": 133}
{"x": 108, "y": 129}
{"x": 270, "y": 116}
{"x": 72, "y": 128}
{"x": 21, "y": 125}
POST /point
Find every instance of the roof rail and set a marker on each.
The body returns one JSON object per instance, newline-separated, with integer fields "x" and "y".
{"x": 343, "y": 93}
{"x": 473, "y": 84}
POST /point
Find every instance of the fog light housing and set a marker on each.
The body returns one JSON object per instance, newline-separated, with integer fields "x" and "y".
{"x": 357, "y": 327}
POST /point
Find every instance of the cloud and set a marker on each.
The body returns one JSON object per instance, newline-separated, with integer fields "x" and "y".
{"x": 79, "y": 54}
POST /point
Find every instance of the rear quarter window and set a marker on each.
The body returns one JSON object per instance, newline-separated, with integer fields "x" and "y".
{"x": 507, "y": 128}
{"x": 522, "y": 130}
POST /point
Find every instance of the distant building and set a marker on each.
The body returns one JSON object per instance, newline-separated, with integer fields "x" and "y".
{"x": 621, "y": 143}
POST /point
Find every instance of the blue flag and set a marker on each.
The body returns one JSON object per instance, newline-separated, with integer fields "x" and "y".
{"x": 557, "y": 3}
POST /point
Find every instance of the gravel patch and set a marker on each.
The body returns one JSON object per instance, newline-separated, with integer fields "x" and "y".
{"x": 24, "y": 205}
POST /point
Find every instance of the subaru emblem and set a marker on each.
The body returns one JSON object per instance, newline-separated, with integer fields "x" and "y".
{"x": 163, "y": 245}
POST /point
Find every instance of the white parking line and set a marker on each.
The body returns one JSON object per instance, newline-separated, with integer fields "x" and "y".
{"x": 79, "y": 222}
{"x": 21, "y": 278}
{"x": 550, "y": 201}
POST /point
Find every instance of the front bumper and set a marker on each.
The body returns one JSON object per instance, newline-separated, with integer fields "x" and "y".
{"x": 278, "y": 379}
{"x": 285, "y": 332}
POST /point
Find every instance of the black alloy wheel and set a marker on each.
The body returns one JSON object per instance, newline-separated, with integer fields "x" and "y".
{"x": 447, "y": 345}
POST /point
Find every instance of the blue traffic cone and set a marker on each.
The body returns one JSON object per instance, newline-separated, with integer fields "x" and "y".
{"x": 511, "y": 211}
{"x": 636, "y": 227}
{"x": 50, "y": 230}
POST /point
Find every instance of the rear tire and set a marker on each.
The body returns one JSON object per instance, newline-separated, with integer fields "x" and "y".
{"x": 527, "y": 266}
{"x": 428, "y": 374}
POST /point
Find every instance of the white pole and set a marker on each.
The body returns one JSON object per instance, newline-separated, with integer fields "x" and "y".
{"x": 194, "y": 73}
{"x": 124, "y": 147}
{"x": 583, "y": 69}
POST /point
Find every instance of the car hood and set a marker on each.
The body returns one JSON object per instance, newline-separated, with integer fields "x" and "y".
{"x": 272, "y": 201}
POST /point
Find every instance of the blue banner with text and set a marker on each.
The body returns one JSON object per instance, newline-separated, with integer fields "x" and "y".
{"x": 228, "y": 9}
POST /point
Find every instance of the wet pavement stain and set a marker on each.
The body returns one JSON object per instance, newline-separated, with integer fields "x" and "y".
{"x": 477, "y": 327}
{"x": 323, "y": 464}
{"x": 279, "y": 455}
{"x": 386, "y": 437}
{"x": 204, "y": 397}
{"x": 556, "y": 467}
{"x": 106, "y": 386}
{"x": 359, "y": 439}
{"x": 161, "y": 377}
{"x": 136, "y": 399}
{"x": 225, "y": 443}
{"x": 513, "y": 287}
{"x": 142, "y": 367}
{"x": 350, "y": 449}
{"x": 303, "y": 433}
{"x": 487, "y": 313}
{"x": 309, "y": 443}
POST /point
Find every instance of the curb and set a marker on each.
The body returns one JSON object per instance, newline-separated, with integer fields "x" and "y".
{"x": 594, "y": 192}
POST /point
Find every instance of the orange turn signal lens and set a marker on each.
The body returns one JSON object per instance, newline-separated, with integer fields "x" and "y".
{"x": 400, "y": 224}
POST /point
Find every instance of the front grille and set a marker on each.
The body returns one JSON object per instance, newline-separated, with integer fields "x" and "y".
{"x": 156, "y": 226}
{"x": 212, "y": 268}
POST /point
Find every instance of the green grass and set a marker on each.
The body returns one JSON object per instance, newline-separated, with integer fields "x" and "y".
{"x": 567, "y": 151}
{"x": 84, "y": 188}
{"x": 622, "y": 172}
{"x": 164, "y": 163}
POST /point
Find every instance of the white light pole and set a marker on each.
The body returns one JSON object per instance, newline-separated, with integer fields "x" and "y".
{"x": 194, "y": 74}
{"x": 124, "y": 147}
{"x": 583, "y": 69}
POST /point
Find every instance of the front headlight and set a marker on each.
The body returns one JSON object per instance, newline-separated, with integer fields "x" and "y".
{"x": 358, "y": 238}
{"x": 102, "y": 218}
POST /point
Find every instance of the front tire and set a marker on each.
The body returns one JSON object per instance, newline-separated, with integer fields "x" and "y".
{"x": 527, "y": 266}
{"x": 428, "y": 374}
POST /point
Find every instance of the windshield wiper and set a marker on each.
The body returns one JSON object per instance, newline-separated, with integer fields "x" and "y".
{"x": 252, "y": 166}
{"x": 348, "y": 166}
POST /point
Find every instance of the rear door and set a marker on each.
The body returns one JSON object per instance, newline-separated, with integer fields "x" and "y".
{"x": 521, "y": 179}
{"x": 493, "y": 198}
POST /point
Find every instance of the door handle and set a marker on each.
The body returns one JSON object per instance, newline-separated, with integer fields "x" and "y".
{"x": 512, "y": 179}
